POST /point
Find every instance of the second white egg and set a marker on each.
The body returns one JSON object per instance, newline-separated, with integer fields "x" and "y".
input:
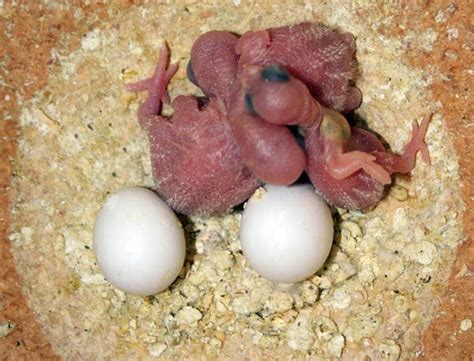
{"x": 286, "y": 233}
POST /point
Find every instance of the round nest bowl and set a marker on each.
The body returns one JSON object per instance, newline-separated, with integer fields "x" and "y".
{"x": 69, "y": 135}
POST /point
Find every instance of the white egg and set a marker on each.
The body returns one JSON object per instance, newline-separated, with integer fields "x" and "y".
{"x": 286, "y": 232}
{"x": 139, "y": 242}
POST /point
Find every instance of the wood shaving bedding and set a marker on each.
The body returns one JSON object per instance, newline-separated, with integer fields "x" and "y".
{"x": 81, "y": 141}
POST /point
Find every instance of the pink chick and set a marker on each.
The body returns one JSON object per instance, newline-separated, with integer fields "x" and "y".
{"x": 320, "y": 57}
{"x": 350, "y": 167}
{"x": 195, "y": 159}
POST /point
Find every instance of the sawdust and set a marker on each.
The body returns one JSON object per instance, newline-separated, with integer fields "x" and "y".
{"x": 80, "y": 141}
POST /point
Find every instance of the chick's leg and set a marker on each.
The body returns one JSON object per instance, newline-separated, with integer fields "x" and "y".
{"x": 342, "y": 165}
{"x": 156, "y": 87}
{"x": 346, "y": 149}
{"x": 405, "y": 162}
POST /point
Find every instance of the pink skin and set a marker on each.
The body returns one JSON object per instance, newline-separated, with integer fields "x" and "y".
{"x": 321, "y": 58}
{"x": 279, "y": 98}
{"x": 270, "y": 151}
{"x": 350, "y": 167}
{"x": 214, "y": 62}
{"x": 156, "y": 86}
{"x": 406, "y": 162}
{"x": 207, "y": 158}
{"x": 195, "y": 159}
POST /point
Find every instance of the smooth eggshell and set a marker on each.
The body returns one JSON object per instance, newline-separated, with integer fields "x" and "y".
{"x": 139, "y": 242}
{"x": 286, "y": 232}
